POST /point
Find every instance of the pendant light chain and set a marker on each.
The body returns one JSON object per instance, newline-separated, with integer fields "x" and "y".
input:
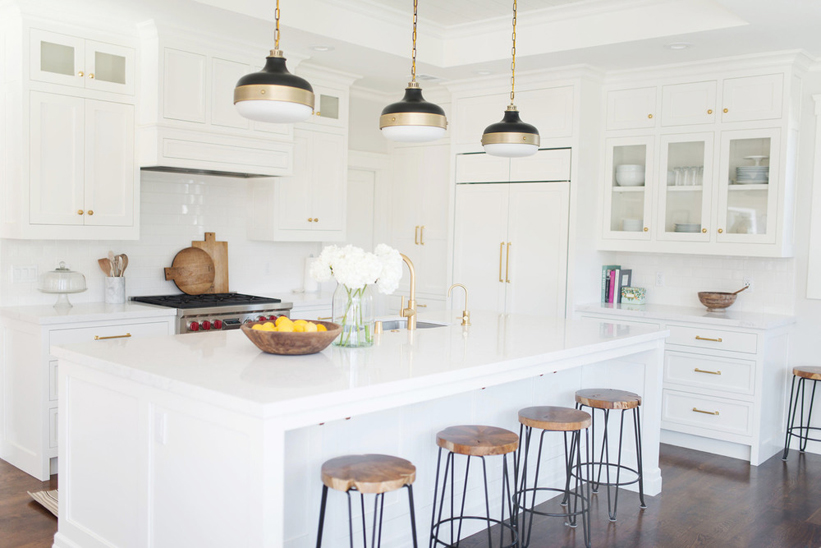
{"x": 413, "y": 55}
{"x": 513, "y": 62}
{"x": 276, "y": 32}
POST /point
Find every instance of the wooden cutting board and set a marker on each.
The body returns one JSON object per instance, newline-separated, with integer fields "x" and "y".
{"x": 219, "y": 254}
{"x": 192, "y": 271}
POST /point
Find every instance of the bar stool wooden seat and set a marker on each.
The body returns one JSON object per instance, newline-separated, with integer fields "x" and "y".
{"x": 553, "y": 419}
{"x": 606, "y": 400}
{"x": 367, "y": 474}
{"x": 802, "y": 374}
{"x": 479, "y": 442}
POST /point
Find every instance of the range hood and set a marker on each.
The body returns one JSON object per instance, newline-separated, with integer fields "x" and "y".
{"x": 191, "y": 171}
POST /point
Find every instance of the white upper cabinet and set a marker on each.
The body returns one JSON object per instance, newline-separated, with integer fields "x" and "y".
{"x": 77, "y": 62}
{"x": 184, "y": 85}
{"x": 631, "y": 108}
{"x": 545, "y": 165}
{"x": 688, "y": 104}
{"x": 752, "y": 98}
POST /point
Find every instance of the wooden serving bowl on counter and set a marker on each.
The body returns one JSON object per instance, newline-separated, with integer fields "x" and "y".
{"x": 716, "y": 301}
{"x": 292, "y": 344}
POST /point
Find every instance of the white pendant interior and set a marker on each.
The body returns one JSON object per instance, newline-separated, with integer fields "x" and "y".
{"x": 511, "y": 150}
{"x": 413, "y": 134}
{"x": 278, "y": 112}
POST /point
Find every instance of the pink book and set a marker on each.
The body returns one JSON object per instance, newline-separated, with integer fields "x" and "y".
{"x": 614, "y": 283}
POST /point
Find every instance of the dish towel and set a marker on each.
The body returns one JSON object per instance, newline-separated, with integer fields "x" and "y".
{"x": 47, "y": 498}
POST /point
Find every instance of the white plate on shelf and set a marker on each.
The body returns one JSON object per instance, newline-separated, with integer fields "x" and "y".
{"x": 687, "y": 227}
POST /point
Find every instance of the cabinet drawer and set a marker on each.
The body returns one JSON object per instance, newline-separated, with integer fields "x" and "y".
{"x": 52, "y": 427}
{"x": 714, "y": 339}
{"x": 709, "y": 372}
{"x": 106, "y": 332}
{"x": 704, "y": 412}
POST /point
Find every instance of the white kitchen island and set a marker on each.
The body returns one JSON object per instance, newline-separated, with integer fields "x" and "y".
{"x": 203, "y": 440}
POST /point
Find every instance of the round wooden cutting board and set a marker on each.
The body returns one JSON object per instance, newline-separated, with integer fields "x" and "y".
{"x": 192, "y": 271}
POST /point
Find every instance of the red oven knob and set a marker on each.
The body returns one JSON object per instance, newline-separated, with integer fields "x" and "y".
{"x": 194, "y": 326}
{"x": 206, "y": 325}
{"x": 217, "y": 324}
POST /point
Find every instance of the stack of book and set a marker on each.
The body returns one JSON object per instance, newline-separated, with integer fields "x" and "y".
{"x": 613, "y": 278}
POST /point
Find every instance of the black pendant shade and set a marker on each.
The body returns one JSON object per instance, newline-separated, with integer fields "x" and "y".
{"x": 274, "y": 73}
{"x": 511, "y": 124}
{"x": 413, "y": 102}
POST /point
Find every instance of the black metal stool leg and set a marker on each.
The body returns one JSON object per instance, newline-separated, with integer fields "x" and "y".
{"x": 350, "y": 519}
{"x": 790, "y": 419}
{"x": 364, "y": 528}
{"x": 412, "y": 515}
{"x": 322, "y": 506}
{"x": 586, "y": 517}
{"x": 809, "y": 420}
{"x": 639, "y": 455}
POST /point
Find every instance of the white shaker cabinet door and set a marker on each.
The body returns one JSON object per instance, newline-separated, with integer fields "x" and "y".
{"x": 329, "y": 177}
{"x": 224, "y": 76}
{"x": 753, "y": 98}
{"x": 109, "y": 164}
{"x": 57, "y": 58}
{"x": 56, "y": 147}
{"x": 480, "y": 240}
{"x": 688, "y": 104}
{"x": 294, "y": 193}
{"x": 184, "y": 86}
{"x": 536, "y": 253}
{"x": 631, "y": 108}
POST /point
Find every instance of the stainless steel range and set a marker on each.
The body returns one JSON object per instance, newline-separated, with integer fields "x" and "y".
{"x": 218, "y": 311}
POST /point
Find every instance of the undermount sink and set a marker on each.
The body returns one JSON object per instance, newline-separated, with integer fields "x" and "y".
{"x": 390, "y": 325}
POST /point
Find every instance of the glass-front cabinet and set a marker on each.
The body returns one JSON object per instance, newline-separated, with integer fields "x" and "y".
{"x": 748, "y": 186}
{"x": 685, "y": 187}
{"x": 629, "y": 179}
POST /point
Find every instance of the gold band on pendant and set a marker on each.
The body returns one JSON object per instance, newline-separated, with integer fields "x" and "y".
{"x": 266, "y": 92}
{"x": 413, "y": 119}
{"x": 510, "y": 138}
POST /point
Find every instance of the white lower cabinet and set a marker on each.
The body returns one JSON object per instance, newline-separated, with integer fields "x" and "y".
{"x": 510, "y": 246}
{"x": 28, "y": 376}
{"x": 725, "y": 388}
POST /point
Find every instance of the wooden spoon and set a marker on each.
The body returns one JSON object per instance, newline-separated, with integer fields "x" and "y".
{"x": 740, "y": 290}
{"x": 123, "y": 263}
{"x": 105, "y": 266}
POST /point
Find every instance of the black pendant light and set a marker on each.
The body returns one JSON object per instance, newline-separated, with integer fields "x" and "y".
{"x": 274, "y": 94}
{"x": 413, "y": 120}
{"x": 511, "y": 137}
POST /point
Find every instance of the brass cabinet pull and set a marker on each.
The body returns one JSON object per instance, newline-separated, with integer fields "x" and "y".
{"x": 700, "y": 338}
{"x": 91, "y": 75}
{"x": 649, "y": 116}
{"x": 697, "y": 370}
{"x": 310, "y": 219}
{"x": 721, "y": 231}
{"x": 99, "y": 338}
{"x": 726, "y": 110}
{"x": 80, "y": 74}
{"x": 709, "y": 111}
{"x": 507, "y": 264}
{"x": 416, "y": 235}
{"x": 91, "y": 212}
{"x": 501, "y": 250}
{"x": 422, "y": 235}
{"x": 316, "y": 219}
{"x": 704, "y": 231}
{"x": 325, "y": 318}
{"x": 646, "y": 229}
{"x": 421, "y": 305}
{"x": 697, "y": 410}
{"x": 80, "y": 212}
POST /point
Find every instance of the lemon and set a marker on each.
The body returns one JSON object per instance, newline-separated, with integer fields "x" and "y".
{"x": 299, "y": 327}
{"x": 311, "y": 327}
{"x": 283, "y": 320}
{"x": 321, "y": 327}
{"x": 257, "y": 327}
{"x": 286, "y": 327}
{"x": 268, "y": 325}
{"x": 300, "y": 322}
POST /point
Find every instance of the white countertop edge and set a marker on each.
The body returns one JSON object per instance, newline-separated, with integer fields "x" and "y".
{"x": 299, "y": 411}
{"x": 84, "y": 312}
{"x": 728, "y": 318}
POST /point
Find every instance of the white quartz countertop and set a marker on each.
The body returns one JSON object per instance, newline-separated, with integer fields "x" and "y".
{"x": 728, "y": 318}
{"x": 84, "y": 312}
{"x": 226, "y": 369}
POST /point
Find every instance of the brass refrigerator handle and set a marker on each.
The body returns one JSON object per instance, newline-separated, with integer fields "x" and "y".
{"x": 501, "y": 251}
{"x": 416, "y": 235}
{"x": 422, "y": 235}
{"x": 507, "y": 264}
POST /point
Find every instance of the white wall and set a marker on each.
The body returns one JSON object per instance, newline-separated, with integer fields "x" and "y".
{"x": 363, "y": 128}
{"x": 176, "y": 209}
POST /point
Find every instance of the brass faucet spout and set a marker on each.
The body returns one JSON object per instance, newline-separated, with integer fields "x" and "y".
{"x": 410, "y": 311}
{"x": 465, "y": 313}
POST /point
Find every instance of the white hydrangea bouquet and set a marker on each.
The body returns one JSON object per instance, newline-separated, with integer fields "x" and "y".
{"x": 355, "y": 270}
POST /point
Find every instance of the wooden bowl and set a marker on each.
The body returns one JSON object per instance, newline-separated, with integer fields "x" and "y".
{"x": 715, "y": 301}
{"x": 292, "y": 344}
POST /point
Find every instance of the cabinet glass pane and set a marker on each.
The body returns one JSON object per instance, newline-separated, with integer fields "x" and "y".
{"x": 748, "y": 189}
{"x": 57, "y": 58}
{"x": 109, "y": 68}
{"x": 328, "y": 107}
{"x": 627, "y": 187}
{"x": 685, "y": 179}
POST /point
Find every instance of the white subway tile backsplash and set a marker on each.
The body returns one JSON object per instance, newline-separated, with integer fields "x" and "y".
{"x": 175, "y": 210}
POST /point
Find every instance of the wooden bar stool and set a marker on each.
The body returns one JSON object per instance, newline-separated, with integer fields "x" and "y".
{"x": 607, "y": 400}
{"x": 481, "y": 442}
{"x": 367, "y": 474}
{"x": 803, "y": 374}
{"x": 553, "y": 419}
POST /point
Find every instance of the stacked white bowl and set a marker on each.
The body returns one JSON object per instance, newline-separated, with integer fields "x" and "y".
{"x": 630, "y": 175}
{"x": 752, "y": 175}
{"x": 632, "y": 225}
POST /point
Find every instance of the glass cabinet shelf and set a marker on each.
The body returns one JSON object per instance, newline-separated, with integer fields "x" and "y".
{"x": 628, "y": 189}
{"x": 697, "y": 188}
{"x": 741, "y": 188}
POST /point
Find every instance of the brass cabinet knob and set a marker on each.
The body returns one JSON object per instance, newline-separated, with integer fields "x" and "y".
{"x": 91, "y": 212}
{"x": 310, "y": 219}
{"x": 79, "y": 212}
{"x": 709, "y": 111}
{"x": 316, "y": 219}
{"x": 704, "y": 231}
{"x": 91, "y": 75}
{"x": 646, "y": 229}
{"x": 726, "y": 110}
{"x": 721, "y": 231}
{"x": 649, "y": 115}
{"x": 81, "y": 74}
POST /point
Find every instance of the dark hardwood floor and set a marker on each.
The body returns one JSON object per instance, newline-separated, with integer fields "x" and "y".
{"x": 707, "y": 501}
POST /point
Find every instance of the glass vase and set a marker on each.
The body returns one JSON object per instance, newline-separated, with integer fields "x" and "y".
{"x": 353, "y": 309}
